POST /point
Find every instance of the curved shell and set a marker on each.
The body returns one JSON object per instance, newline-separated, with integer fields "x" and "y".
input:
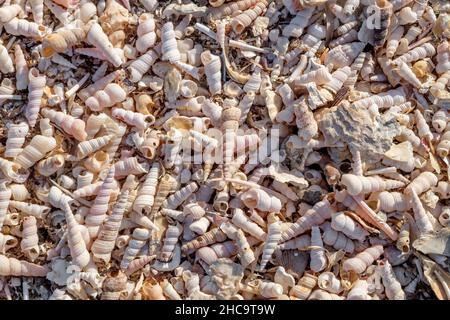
{"x": 97, "y": 37}
{"x": 146, "y": 193}
{"x": 170, "y": 241}
{"x": 273, "y": 236}
{"x": 261, "y": 200}
{"x": 146, "y": 33}
{"x": 422, "y": 183}
{"x": 30, "y": 241}
{"x": 35, "y": 151}
{"x": 109, "y": 96}
{"x": 69, "y": 124}
{"x": 6, "y": 63}
{"x": 362, "y": 260}
{"x": 61, "y": 40}
{"x": 243, "y": 20}
{"x": 106, "y": 240}
{"x": 213, "y": 71}
{"x": 139, "y": 120}
{"x": 17, "y": 268}
{"x": 318, "y": 259}
{"x": 346, "y": 225}
{"x": 35, "y": 91}
{"x": 97, "y": 212}
{"x": 169, "y": 46}
{"x": 344, "y": 55}
{"x": 16, "y": 139}
{"x": 359, "y": 185}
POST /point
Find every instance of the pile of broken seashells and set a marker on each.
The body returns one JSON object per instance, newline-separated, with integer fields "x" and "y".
{"x": 248, "y": 149}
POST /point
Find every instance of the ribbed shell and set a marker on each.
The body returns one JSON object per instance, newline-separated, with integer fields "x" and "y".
{"x": 5, "y": 195}
{"x": 35, "y": 210}
{"x": 35, "y": 91}
{"x": 88, "y": 147}
{"x": 105, "y": 242}
{"x": 136, "y": 119}
{"x": 422, "y": 183}
{"x": 273, "y": 237}
{"x": 170, "y": 241}
{"x": 423, "y": 223}
{"x": 30, "y": 241}
{"x": 61, "y": 40}
{"x": 393, "y": 201}
{"x": 176, "y": 199}
{"x": 318, "y": 259}
{"x": 359, "y": 184}
{"x": 141, "y": 65}
{"x": 301, "y": 242}
{"x": 320, "y": 212}
{"x": 243, "y": 20}
{"x": 16, "y": 139}
{"x": 240, "y": 220}
{"x": 20, "y": 268}
{"x": 336, "y": 239}
{"x": 97, "y": 37}
{"x": 304, "y": 286}
{"x": 349, "y": 227}
{"x": 146, "y": 193}
{"x": 145, "y": 32}
{"x": 261, "y": 200}
{"x": 169, "y": 46}
{"x": 213, "y": 71}
{"x": 392, "y": 287}
{"x": 6, "y": 63}
{"x": 210, "y": 237}
{"x": 69, "y": 124}
{"x": 362, "y": 260}
{"x": 35, "y": 150}
{"x": 106, "y": 98}
{"x": 97, "y": 212}
{"x": 344, "y": 55}
{"x": 139, "y": 238}
{"x": 129, "y": 166}
{"x": 79, "y": 253}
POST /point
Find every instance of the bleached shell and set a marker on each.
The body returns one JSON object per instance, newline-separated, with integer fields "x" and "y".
{"x": 169, "y": 46}
{"x": 6, "y": 63}
{"x": 401, "y": 156}
{"x": 344, "y": 55}
{"x": 212, "y": 71}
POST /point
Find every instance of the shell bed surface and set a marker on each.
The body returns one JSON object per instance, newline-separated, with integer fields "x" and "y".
{"x": 245, "y": 150}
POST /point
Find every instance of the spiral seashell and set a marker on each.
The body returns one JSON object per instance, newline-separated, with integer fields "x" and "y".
{"x": 423, "y": 222}
{"x": 97, "y": 213}
{"x": 5, "y": 196}
{"x": 30, "y": 241}
{"x": 421, "y": 183}
{"x": 145, "y": 32}
{"x": 88, "y": 147}
{"x": 145, "y": 196}
{"x": 359, "y": 185}
{"x": 105, "y": 242}
{"x": 169, "y": 46}
{"x": 79, "y": 253}
{"x": 170, "y": 241}
{"x": 269, "y": 289}
{"x": 20, "y": 268}
{"x": 336, "y": 239}
{"x": 176, "y": 199}
{"x": 6, "y": 63}
{"x": 35, "y": 210}
{"x": 69, "y": 124}
{"x": 339, "y": 78}
{"x": 8, "y": 12}
{"x": 135, "y": 119}
{"x": 318, "y": 259}
{"x": 212, "y": 71}
{"x": 359, "y": 291}
{"x": 320, "y": 212}
{"x": 141, "y": 65}
{"x": 418, "y": 53}
{"x": 210, "y": 237}
{"x": 392, "y": 287}
{"x": 362, "y": 260}
{"x": 7, "y": 242}
{"x": 346, "y": 225}
{"x": 97, "y": 37}
{"x": 106, "y": 98}
{"x": 385, "y": 10}
{"x": 304, "y": 286}
{"x": 243, "y": 20}
{"x": 273, "y": 237}
{"x": 114, "y": 285}
{"x": 130, "y": 166}
{"x": 35, "y": 91}
{"x": 97, "y": 161}
{"x": 22, "y": 27}
{"x": 240, "y": 220}
{"x": 301, "y": 242}
{"x": 319, "y": 76}
{"x": 139, "y": 238}
{"x": 138, "y": 264}
{"x": 261, "y": 200}
{"x": 15, "y": 139}
{"x": 50, "y": 165}
{"x": 393, "y": 201}
{"x": 35, "y": 151}
{"x": 343, "y": 55}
